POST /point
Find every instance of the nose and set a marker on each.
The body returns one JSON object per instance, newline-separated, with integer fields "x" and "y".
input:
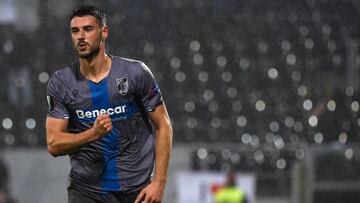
{"x": 81, "y": 35}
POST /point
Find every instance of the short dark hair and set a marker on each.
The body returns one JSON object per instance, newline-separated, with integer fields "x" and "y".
{"x": 92, "y": 11}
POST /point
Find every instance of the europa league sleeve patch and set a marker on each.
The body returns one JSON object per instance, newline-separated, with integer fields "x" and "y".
{"x": 154, "y": 90}
{"x": 50, "y": 102}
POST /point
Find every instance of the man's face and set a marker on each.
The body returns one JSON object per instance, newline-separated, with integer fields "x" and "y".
{"x": 87, "y": 35}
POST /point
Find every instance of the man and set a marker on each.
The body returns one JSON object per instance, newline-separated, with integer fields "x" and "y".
{"x": 99, "y": 112}
{"x": 230, "y": 193}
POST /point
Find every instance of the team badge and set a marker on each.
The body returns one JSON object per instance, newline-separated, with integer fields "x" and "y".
{"x": 122, "y": 85}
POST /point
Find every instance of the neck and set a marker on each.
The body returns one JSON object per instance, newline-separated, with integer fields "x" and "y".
{"x": 95, "y": 68}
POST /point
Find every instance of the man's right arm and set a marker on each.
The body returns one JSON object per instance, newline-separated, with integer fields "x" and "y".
{"x": 60, "y": 142}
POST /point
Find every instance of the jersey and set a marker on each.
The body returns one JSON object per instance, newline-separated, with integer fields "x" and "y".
{"x": 230, "y": 195}
{"x": 123, "y": 159}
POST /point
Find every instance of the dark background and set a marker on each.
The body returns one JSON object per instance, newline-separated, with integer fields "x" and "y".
{"x": 270, "y": 77}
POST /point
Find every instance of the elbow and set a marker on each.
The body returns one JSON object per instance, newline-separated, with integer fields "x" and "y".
{"x": 165, "y": 131}
{"x": 52, "y": 147}
{"x": 53, "y": 152}
{"x": 56, "y": 150}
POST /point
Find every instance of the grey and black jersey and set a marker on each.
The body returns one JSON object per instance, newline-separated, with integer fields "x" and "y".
{"x": 123, "y": 159}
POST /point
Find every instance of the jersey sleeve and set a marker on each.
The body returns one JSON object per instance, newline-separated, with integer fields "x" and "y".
{"x": 149, "y": 90}
{"x": 55, "y": 98}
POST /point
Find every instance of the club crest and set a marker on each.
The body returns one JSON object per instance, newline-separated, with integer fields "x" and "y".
{"x": 122, "y": 85}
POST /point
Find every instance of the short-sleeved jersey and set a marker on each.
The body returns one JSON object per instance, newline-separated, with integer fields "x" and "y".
{"x": 123, "y": 159}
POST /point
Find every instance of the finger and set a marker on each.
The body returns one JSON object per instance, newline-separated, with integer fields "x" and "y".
{"x": 103, "y": 116}
{"x": 108, "y": 127}
{"x": 140, "y": 197}
{"x": 100, "y": 117}
{"x": 107, "y": 123}
{"x": 99, "y": 121}
{"x": 147, "y": 199}
{"x": 107, "y": 120}
{"x": 104, "y": 121}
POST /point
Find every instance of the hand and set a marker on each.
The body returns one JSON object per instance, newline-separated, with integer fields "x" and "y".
{"x": 102, "y": 126}
{"x": 152, "y": 193}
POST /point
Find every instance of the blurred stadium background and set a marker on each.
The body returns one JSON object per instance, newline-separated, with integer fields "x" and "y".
{"x": 270, "y": 88}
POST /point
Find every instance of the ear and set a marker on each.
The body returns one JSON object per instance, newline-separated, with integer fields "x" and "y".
{"x": 105, "y": 31}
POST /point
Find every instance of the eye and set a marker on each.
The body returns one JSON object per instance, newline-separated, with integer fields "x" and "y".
{"x": 88, "y": 28}
{"x": 74, "y": 30}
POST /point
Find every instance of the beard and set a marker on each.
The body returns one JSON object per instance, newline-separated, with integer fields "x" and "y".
{"x": 90, "y": 54}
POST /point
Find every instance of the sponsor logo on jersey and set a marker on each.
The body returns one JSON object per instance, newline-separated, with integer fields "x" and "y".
{"x": 75, "y": 92}
{"x": 95, "y": 113}
{"x": 122, "y": 85}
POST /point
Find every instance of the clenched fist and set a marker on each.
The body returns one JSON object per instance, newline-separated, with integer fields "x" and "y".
{"x": 102, "y": 125}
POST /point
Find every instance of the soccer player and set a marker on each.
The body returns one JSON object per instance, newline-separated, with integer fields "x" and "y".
{"x": 230, "y": 193}
{"x": 101, "y": 112}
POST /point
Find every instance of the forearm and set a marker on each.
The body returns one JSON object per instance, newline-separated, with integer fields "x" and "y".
{"x": 62, "y": 143}
{"x": 162, "y": 154}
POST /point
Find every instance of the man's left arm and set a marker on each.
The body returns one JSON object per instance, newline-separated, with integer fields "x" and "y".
{"x": 154, "y": 192}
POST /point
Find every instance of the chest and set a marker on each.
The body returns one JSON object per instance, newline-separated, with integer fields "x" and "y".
{"x": 86, "y": 99}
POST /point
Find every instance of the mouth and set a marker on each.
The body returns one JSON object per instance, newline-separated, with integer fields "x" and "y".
{"x": 82, "y": 45}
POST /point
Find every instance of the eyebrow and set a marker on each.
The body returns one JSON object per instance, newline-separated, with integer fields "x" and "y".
{"x": 85, "y": 26}
{"x": 88, "y": 26}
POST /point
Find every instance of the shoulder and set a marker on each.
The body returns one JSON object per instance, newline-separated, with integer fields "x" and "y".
{"x": 131, "y": 65}
{"x": 65, "y": 73}
{"x": 64, "y": 76}
{"x": 126, "y": 61}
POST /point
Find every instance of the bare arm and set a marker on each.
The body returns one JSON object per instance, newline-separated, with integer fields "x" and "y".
{"x": 153, "y": 193}
{"x": 60, "y": 142}
{"x": 163, "y": 146}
